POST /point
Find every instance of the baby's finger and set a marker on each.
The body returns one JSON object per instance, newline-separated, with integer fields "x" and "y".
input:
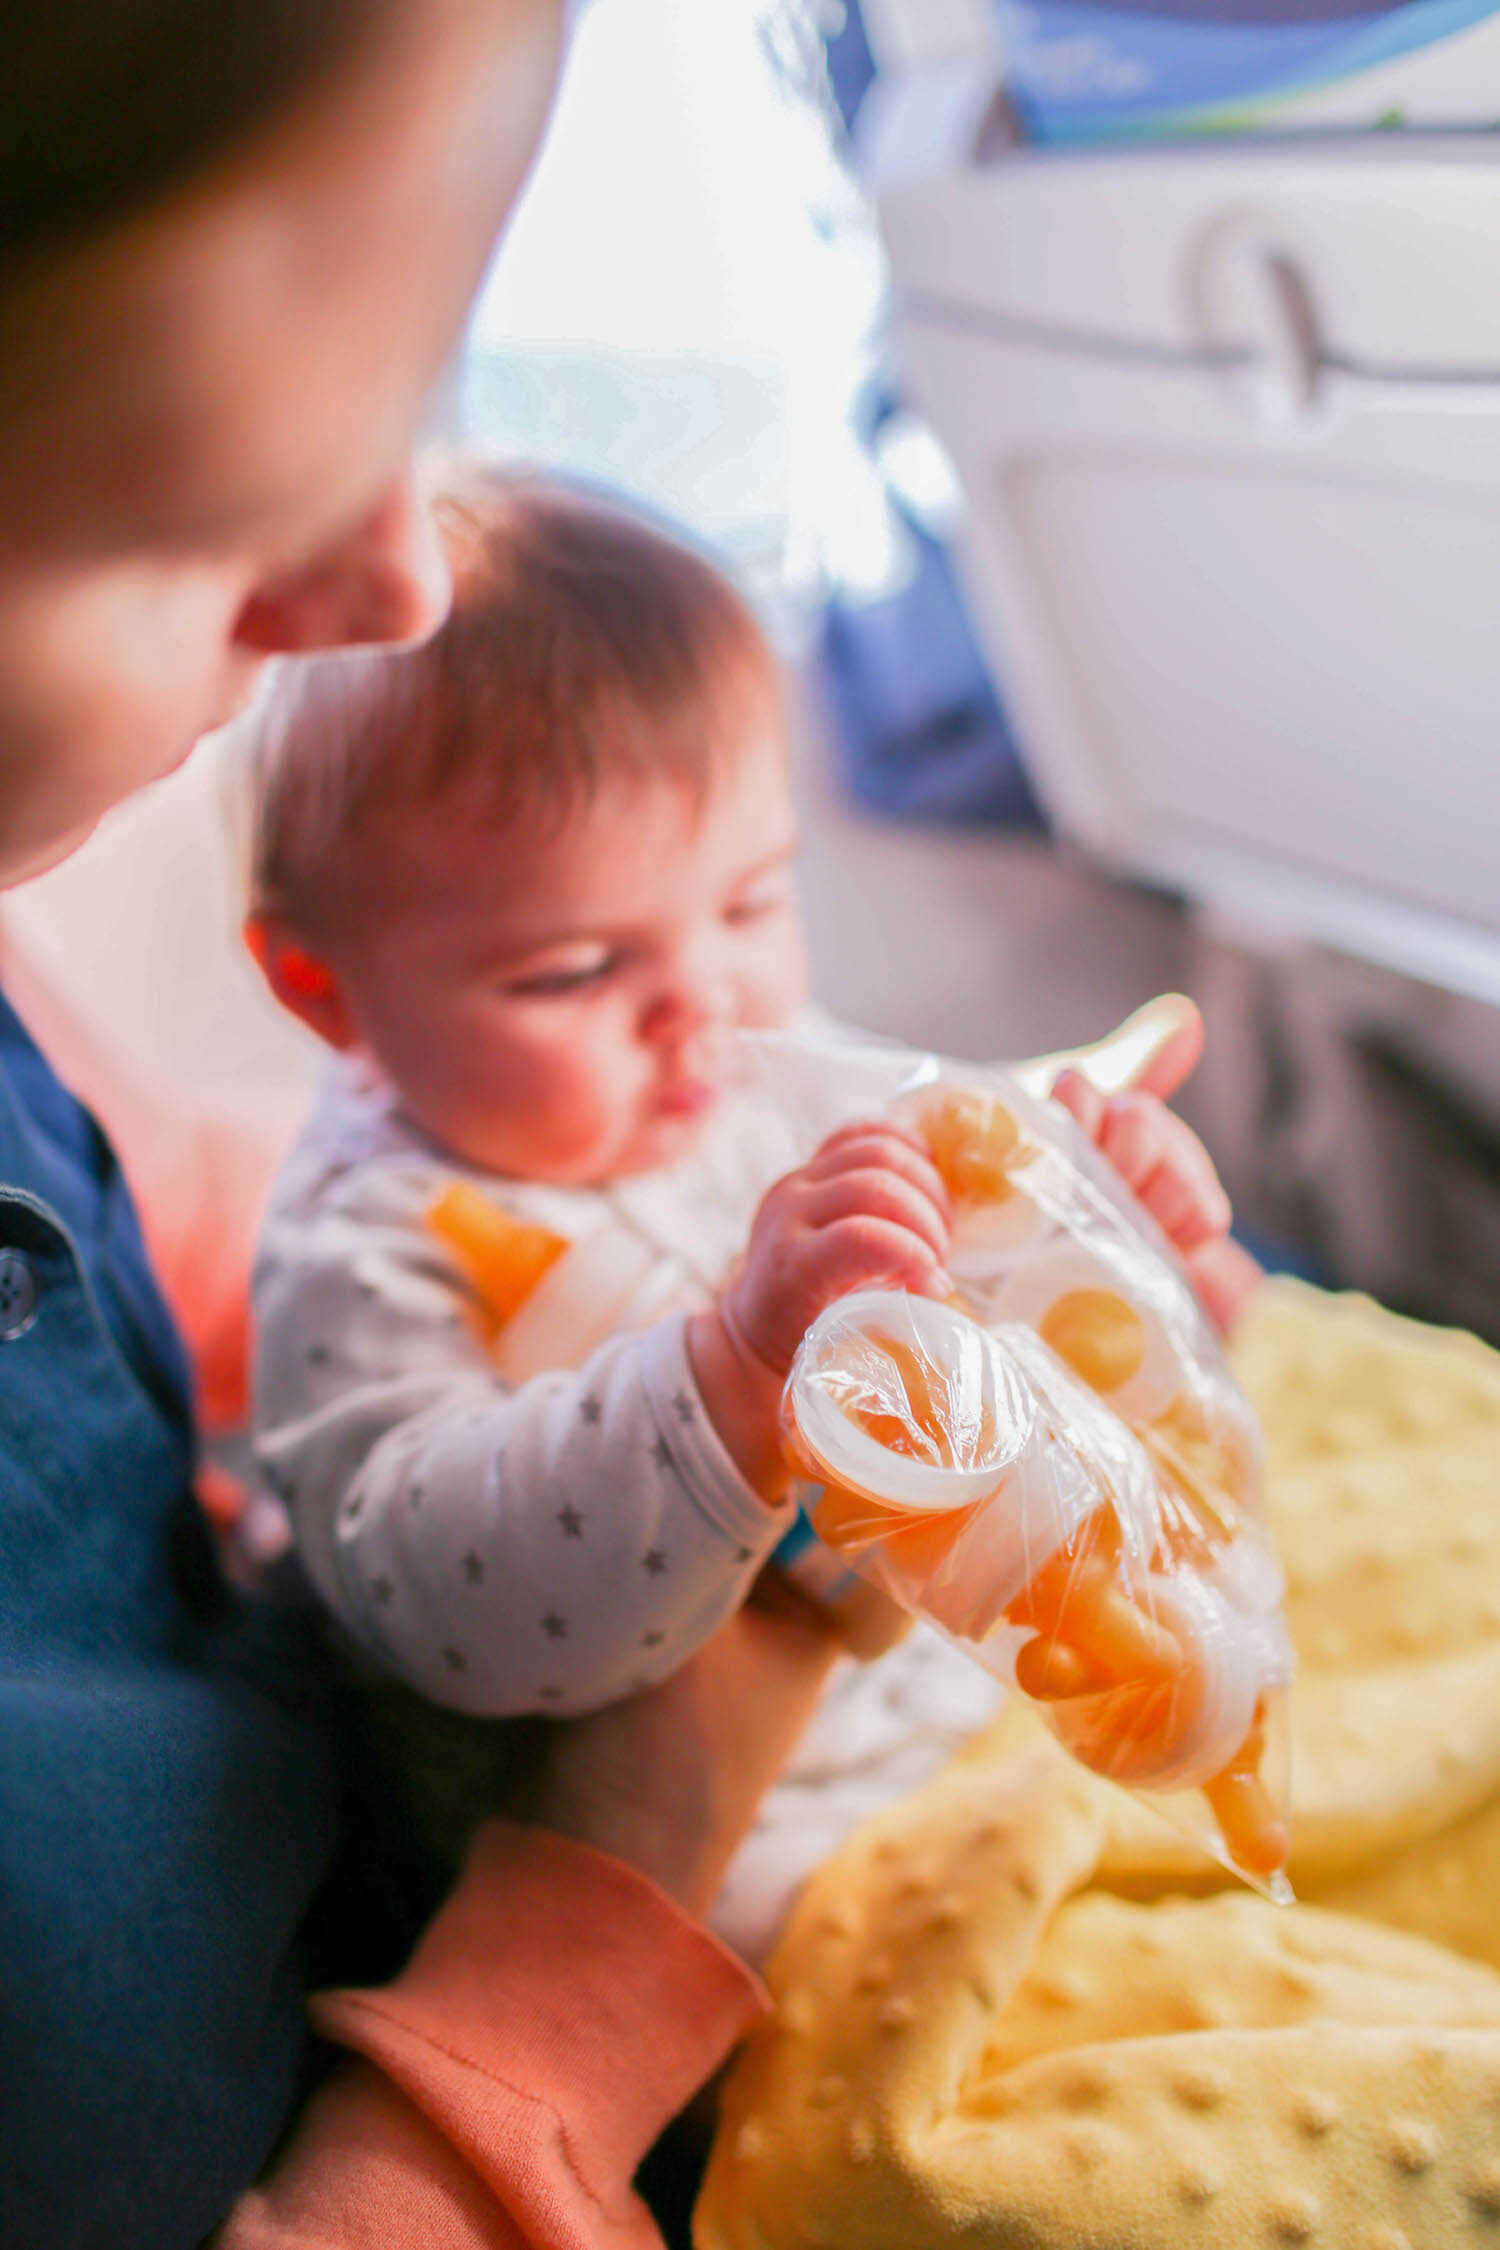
{"x": 1225, "y": 1276}
{"x": 864, "y": 1252}
{"x": 1135, "y": 1137}
{"x": 1185, "y": 1191}
{"x": 863, "y": 1147}
{"x": 1083, "y": 1102}
{"x": 877, "y": 1193}
{"x": 1189, "y": 1210}
{"x": 860, "y": 1127}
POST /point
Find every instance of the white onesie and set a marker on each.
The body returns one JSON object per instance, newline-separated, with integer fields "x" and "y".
{"x": 507, "y": 1537}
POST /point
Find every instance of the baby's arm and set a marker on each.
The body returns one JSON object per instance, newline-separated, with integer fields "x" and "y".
{"x": 543, "y": 1548}
{"x": 867, "y": 1211}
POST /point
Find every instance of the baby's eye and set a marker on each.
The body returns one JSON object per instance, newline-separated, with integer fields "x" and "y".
{"x": 552, "y": 984}
{"x": 755, "y": 907}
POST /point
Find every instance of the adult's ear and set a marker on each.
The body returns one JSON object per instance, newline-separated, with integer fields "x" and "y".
{"x": 301, "y": 982}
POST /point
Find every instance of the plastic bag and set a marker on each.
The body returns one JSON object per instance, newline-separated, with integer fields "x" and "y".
{"x": 1056, "y": 1466}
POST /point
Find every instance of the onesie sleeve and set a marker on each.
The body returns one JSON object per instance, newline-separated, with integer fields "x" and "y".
{"x": 544, "y": 1547}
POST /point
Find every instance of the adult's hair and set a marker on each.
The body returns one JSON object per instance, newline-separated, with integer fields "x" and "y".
{"x": 107, "y": 106}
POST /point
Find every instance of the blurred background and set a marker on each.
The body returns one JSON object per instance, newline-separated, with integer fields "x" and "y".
{"x": 1102, "y": 404}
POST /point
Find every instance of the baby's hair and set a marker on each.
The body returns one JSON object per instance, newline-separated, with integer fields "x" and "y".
{"x": 584, "y": 646}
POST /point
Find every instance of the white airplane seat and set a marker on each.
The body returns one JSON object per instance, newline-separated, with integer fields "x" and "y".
{"x": 1227, "y": 420}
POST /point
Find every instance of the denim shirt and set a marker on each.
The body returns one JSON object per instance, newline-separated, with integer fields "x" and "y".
{"x": 166, "y": 1794}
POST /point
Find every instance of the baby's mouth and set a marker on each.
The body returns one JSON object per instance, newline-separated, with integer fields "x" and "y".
{"x": 687, "y": 1096}
{"x": 697, "y": 1074}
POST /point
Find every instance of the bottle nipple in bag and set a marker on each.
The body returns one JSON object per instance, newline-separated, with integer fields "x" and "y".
{"x": 1068, "y": 1490}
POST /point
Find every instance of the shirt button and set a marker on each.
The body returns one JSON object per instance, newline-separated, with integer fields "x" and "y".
{"x": 18, "y": 1295}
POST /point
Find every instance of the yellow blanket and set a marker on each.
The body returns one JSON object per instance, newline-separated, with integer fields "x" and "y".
{"x": 999, "y": 2021}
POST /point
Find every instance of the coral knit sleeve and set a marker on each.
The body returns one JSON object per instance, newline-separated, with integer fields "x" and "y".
{"x": 502, "y": 2091}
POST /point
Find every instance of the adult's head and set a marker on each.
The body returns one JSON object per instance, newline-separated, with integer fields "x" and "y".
{"x": 237, "y": 241}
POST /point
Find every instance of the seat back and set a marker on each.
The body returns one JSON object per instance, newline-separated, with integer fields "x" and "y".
{"x": 1227, "y": 418}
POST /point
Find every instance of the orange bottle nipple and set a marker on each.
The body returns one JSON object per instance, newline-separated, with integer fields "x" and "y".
{"x": 974, "y": 1141}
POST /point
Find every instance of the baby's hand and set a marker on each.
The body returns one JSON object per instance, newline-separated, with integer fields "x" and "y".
{"x": 867, "y": 1211}
{"x": 1161, "y": 1160}
{"x": 1167, "y": 1168}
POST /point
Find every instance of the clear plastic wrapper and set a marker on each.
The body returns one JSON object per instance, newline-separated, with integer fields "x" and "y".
{"x": 1056, "y": 1466}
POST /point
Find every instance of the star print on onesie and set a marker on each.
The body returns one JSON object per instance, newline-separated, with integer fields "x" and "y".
{"x": 510, "y": 1537}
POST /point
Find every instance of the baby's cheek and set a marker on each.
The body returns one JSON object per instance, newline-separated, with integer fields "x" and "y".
{"x": 589, "y": 1101}
{"x": 774, "y": 998}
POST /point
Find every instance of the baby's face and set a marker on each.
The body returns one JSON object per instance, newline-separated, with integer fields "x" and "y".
{"x": 553, "y": 1008}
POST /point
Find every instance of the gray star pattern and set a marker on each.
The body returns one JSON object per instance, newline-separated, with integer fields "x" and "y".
{"x": 590, "y": 1411}
{"x": 555, "y": 1627}
{"x": 653, "y": 1562}
{"x": 473, "y": 1568}
{"x": 571, "y": 1521}
{"x": 455, "y": 1660}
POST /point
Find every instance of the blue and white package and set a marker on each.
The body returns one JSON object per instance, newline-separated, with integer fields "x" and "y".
{"x": 1088, "y": 70}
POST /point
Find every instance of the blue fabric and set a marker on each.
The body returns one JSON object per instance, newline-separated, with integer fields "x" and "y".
{"x": 851, "y": 62}
{"x": 166, "y": 1787}
{"x": 1079, "y": 70}
{"x": 1279, "y": 1256}
{"x": 917, "y": 726}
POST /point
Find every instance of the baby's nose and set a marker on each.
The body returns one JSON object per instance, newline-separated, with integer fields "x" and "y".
{"x": 691, "y": 1001}
{"x": 674, "y": 1014}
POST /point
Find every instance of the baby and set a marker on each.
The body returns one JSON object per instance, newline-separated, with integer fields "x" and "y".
{"x": 524, "y": 880}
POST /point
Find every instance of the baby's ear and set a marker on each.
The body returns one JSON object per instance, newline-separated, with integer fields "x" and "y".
{"x": 300, "y": 981}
